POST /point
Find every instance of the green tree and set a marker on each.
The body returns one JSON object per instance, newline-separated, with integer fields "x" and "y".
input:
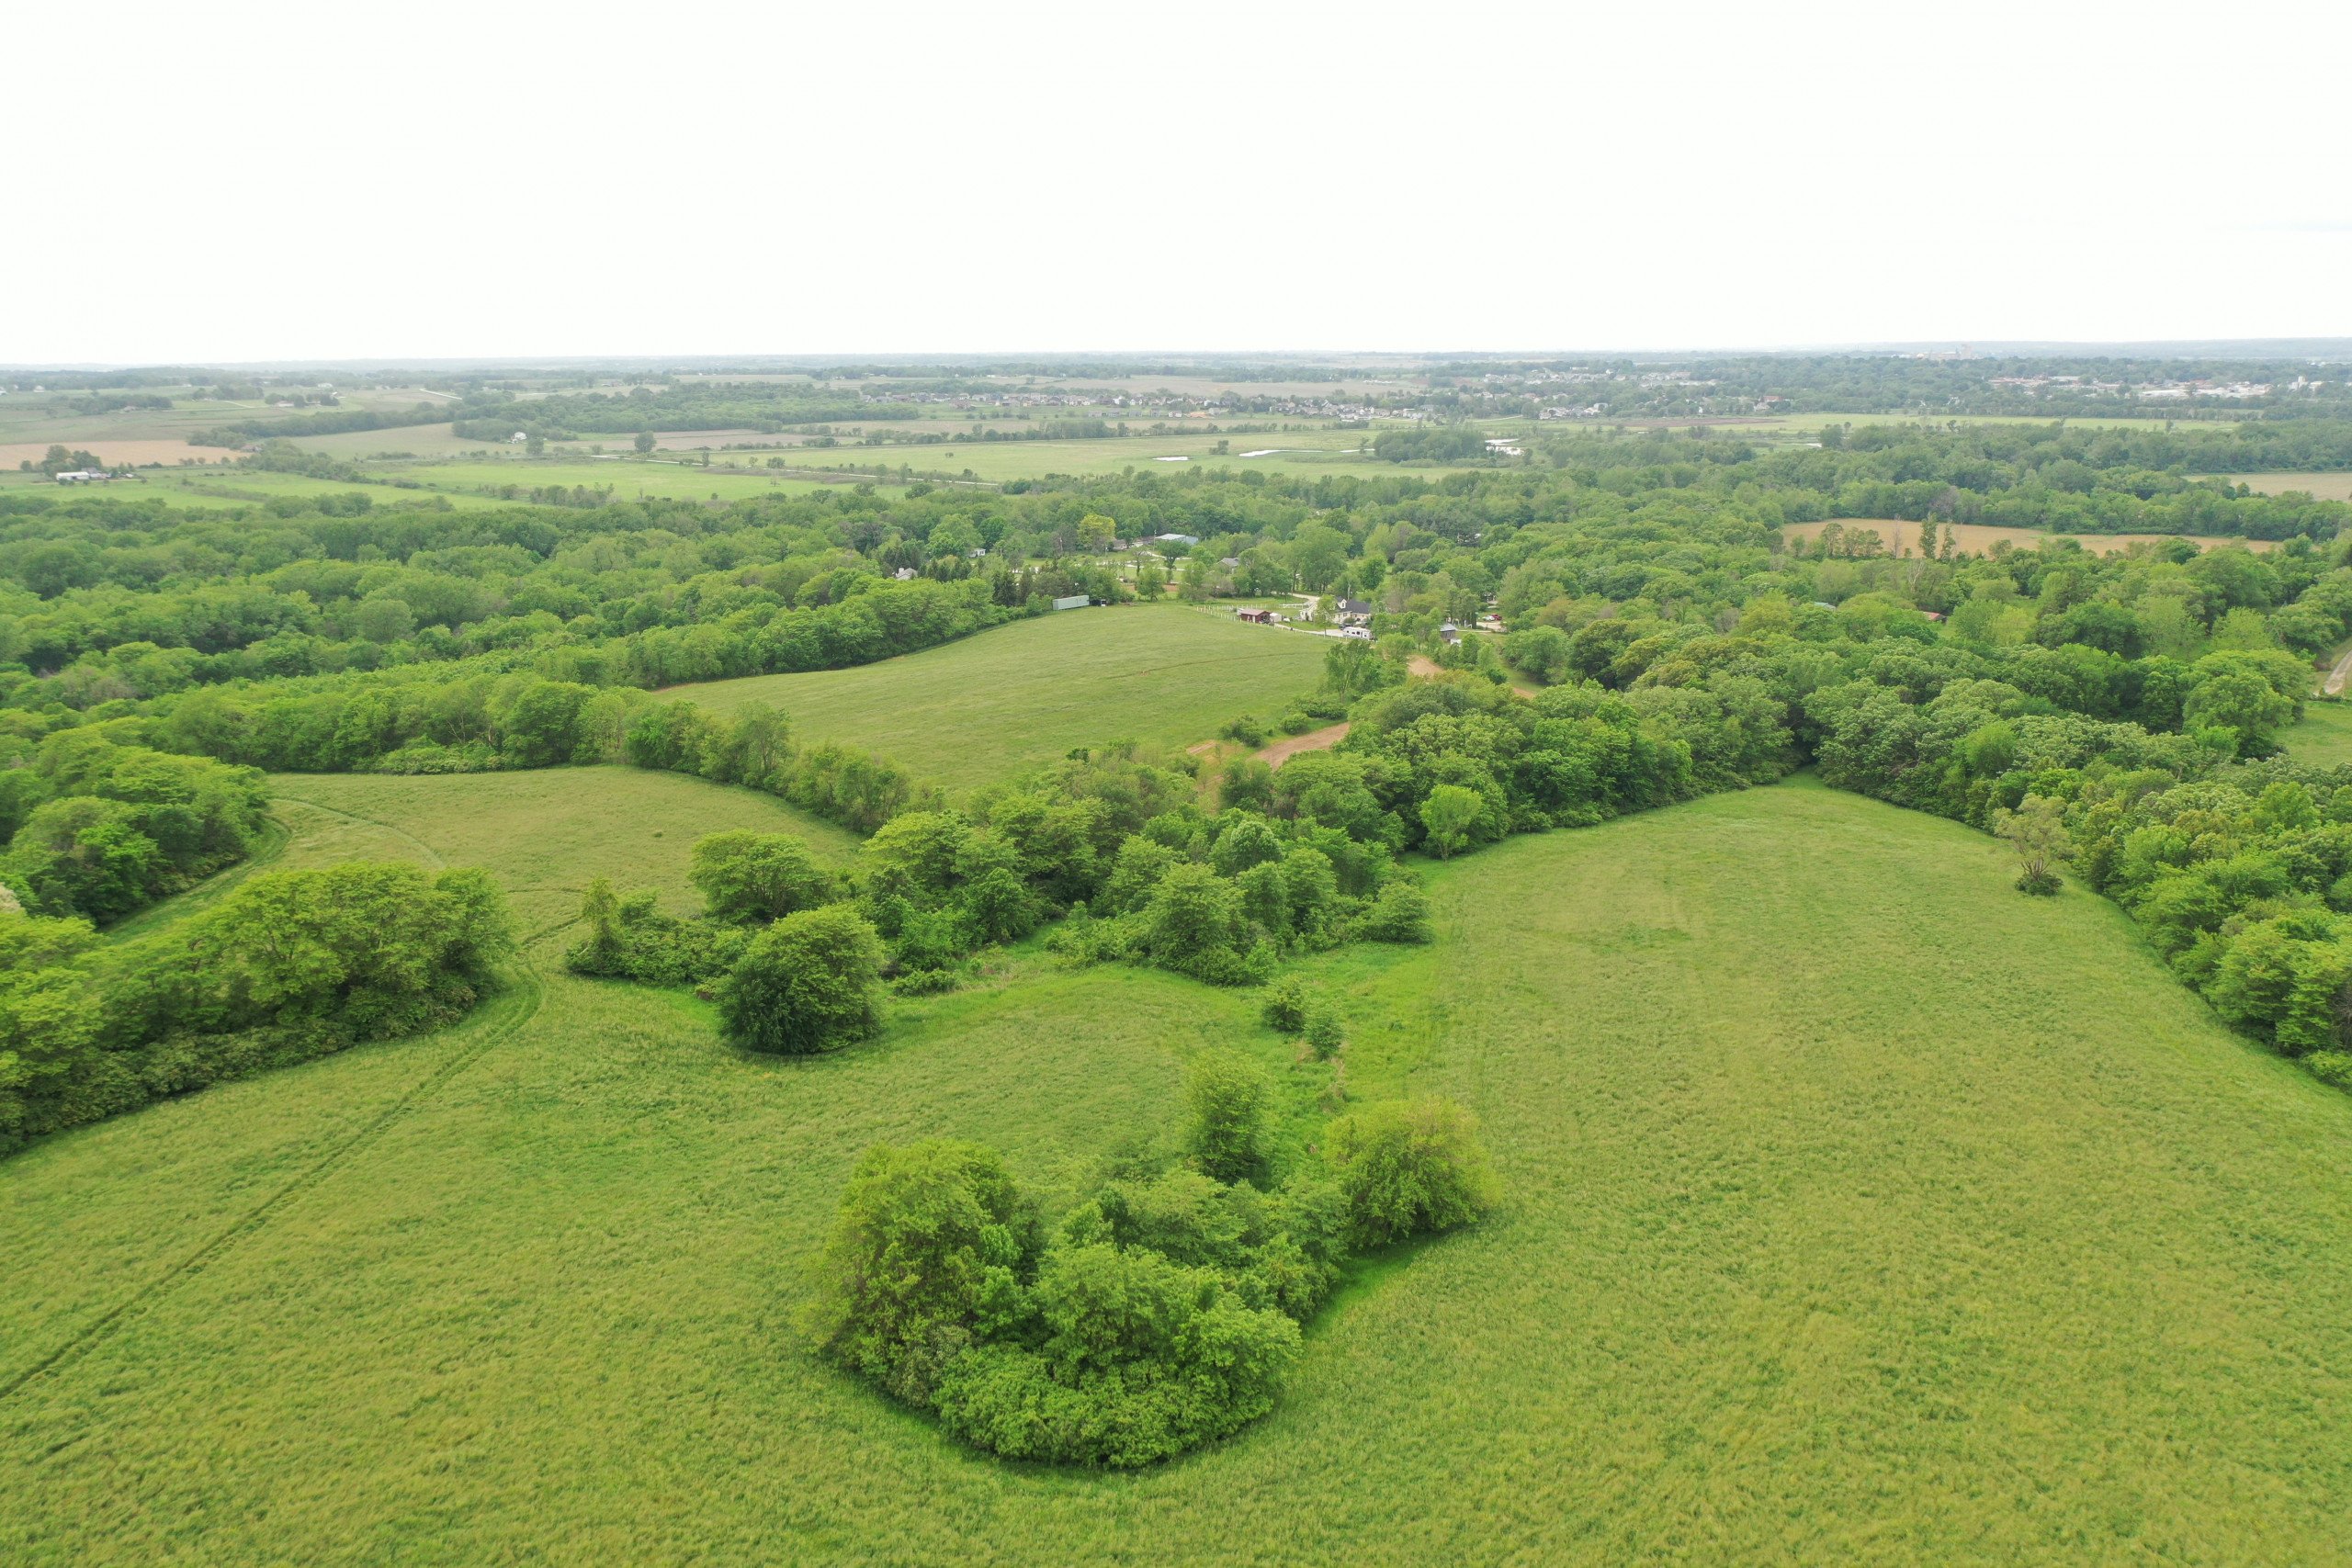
{"x": 644, "y": 442}
{"x": 808, "y": 983}
{"x": 2037, "y": 831}
{"x": 745, "y": 877}
{"x": 922, "y": 1233}
{"x": 1226, "y": 1102}
{"x": 1406, "y": 1166}
{"x": 1450, "y": 813}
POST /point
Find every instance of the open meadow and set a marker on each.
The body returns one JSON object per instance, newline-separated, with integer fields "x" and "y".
{"x": 2022, "y": 1258}
{"x": 991, "y": 705}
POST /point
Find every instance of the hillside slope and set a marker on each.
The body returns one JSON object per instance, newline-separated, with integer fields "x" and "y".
{"x": 1862, "y": 1210}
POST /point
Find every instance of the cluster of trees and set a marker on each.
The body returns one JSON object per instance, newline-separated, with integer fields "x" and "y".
{"x": 494, "y": 415}
{"x": 289, "y": 966}
{"x": 97, "y": 829}
{"x": 1164, "y": 1310}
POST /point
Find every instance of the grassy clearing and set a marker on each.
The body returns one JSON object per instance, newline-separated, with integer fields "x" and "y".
{"x": 1310, "y": 453}
{"x": 1981, "y": 537}
{"x": 1862, "y": 1210}
{"x": 1165, "y": 675}
{"x": 2324, "y": 738}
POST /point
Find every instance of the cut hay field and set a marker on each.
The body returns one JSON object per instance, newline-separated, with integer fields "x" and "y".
{"x": 119, "y": 453}
{"x": 1829, "y": 1238}
{"x": 991, "y": 705}
{"x": 2324, "y": 487}
{"x": 1980, "y": 539}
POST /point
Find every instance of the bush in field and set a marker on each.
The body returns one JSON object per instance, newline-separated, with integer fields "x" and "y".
{"x": 745, "y": 877}
{"x": 1140, "y": 1358}
{"x": 925, "y": 1235}
{"x": 1226, "y": 1108}
{"x": 1285, "y": 1009}
{"x": 1401, "y": 913}
{"x": 1410, "y": 1166}
{"x": 808, "y": 983}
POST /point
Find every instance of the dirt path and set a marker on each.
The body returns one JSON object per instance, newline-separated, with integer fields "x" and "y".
{"x": 1422, "y": 667}
{"x": 1322, "y": 739}
{"x": 2338, "y": 676}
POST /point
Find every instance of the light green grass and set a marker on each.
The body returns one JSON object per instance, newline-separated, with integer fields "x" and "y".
{"x": 994, "y": 705}
{"x": 1860, "y": 1211}
{"x": 630, "y": 479}
{"x": 2324, "y": 738}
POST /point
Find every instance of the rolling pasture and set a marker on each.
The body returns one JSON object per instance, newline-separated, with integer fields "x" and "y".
{"x": 1009, "y": 699}
{"x": 1829, "y": 1238}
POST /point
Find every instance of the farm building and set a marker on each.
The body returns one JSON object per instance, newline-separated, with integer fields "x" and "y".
{"x": 1353, "y": 611}
{"x": 1258, "y": 617}
{"x": 1072, "y": 602}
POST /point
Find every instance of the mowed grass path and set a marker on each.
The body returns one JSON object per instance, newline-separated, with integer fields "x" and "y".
{"x": 1009, "y": 699}
{"x": 1860, "y": 1211}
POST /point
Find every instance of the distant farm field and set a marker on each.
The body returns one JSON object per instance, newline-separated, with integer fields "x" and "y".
{"x": 1312, "y": 453}
{"x": 990, "y": 706}
{"x": 2325, "y": 487}
{"x": 1979, "y": 538}
{"x": 1827, "y": 1239}
{"x": 629, "y": 478}
{"x": 118, "y": 453}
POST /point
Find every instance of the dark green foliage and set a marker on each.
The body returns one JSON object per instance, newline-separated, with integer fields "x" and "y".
{"x": 808, "y": 983}
{"x": 1139, "y": 1358}
{"x": 745, "y": 877}
{"x": 928, "y": 1236}
{"x": 1407, "y": 1167}
{"x": 290, "y": 967}
{"x": 101, "y": 830}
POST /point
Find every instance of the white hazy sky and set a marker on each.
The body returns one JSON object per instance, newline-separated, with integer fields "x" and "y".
{"x": 266, "y": 181}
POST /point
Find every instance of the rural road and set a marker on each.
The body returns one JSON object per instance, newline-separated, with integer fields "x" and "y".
{"x": 2337, "y": 676}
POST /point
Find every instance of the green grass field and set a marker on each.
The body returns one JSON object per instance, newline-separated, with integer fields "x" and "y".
{"x": 2324, "y": 738}
{"x": 1310, "y": 453}
{"x": 1859, "y": 1211}
{"x": 991, "y": 705}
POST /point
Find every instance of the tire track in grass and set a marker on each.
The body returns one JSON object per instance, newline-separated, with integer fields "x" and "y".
{"x": 514, "y": 1007}
{"x": 432, "y": 856}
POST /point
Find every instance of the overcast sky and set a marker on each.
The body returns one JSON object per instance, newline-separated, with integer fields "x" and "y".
{"x": 265, "y": 183}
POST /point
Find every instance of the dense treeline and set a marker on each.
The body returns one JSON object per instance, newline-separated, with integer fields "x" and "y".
{"x": 98, "y": 829}
{"x": 290, "y": 967}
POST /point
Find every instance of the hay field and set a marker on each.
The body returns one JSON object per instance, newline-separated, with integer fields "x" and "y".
{"x": 981, "y": 709}
{"x": 2325, "y": 487}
